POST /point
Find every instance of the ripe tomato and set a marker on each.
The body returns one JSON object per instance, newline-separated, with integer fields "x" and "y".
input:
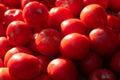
{"x": 4, "y": 74}
{"x": 36, "y": 15}
{"x": 74, "y": 5}
{"x": 74, "y": 46}
{"x": 18, "y": 33}
{"x": 24, "y": 66}
{"x": 4, "y": 46}
{"x": 104, "y": 41}
{"x": 2, "y": 30}
{"x": 57, "y": 15}
{"x": 103, "y": 3}
{"x": 2, "y": 10}
{"x": 62, "y": 69}
{"x": 12, "y": 15}
{"x": 102, "y": 74}
{"x": 90, "y": 63}
{"x": 73, "y": 25}
{"x": 48, "y": 41}
{"x": 15, "y": 50}
{"x": 93, "y": 15}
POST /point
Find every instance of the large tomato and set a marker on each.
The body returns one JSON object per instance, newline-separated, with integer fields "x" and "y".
{"x": 62, "y": 69}
{"x": 74, "y": 46}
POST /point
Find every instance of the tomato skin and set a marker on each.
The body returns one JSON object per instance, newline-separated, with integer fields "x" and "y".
{"x": 103, "y": 3}
{"x": 19, "y": 33}
{"x": 15, "y": 50}
{"x": 104, "y": 41}
{"x": 48, "y": 41}
{"x": 4, "y": 46}
{"x": 35, "y": 14}
{"x": 74, "y": 5}
{"x": 4, "y": 74}
{"x": 93, "y": 15}
{"x": 102, "y": 74}
{"x": 73, "y": 25}
{"x": 43, "y": 77}
{"x": 19, "y": 66}
{"x": 74, "y": 46}
{"x": 57, "y": 15}
{"x": 90, "y": 63}
{"x": 62, "y": 69}
{"x": 12, "y": 15}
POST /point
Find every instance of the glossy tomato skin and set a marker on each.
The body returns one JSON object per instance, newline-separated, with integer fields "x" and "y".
{"x": 104, "y": 41}
{"x": 62, "y": 69}
{"x": 74, "y": 46}
{"x": 19, "y": 33}
{"x": 103, "y": 3}
{"x": 73, "y": 25}
{"x": 74, "y": 5}
{"x": 4, "y": 46}
{"x": 102, "y": 74}
{"x": 15, "y": 50}
{"x": 93, "y": 15}
{"x": 113, "y": 22}
{"x": 36, "y": 15}
{"x": 12, "y": 15}
{"x": 57, "y": 15}
{"x": 48, "y": 41}
{"x": 90, "y": 63}
{"x": 24, "y": 66}
{"x": 4, "y": 74}
{"x": 114, "y": 5}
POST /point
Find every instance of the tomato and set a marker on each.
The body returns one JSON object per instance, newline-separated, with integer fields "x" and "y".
{"x": 113, "y": 22}
{"x": 62, "y": 69}
{"x": 12, "y": 15}
{"x": 102, "y": 74}
{"x": 4, "y": 46}
{"x": 103, "y": 3}
{"x": 2, "y": 30}
{"x": 104, "y": 41}
{"x": 74, "y": 5}
{"x": 1, "y": 62}
{"x": 13, "y": 51}
{"x": 19, "y": 33}
{"x": 73, "y": 25}
{"x": 94, "y": 16}
{"x": 57, "y": 15}
{"x": 90, "y": 63}
{"x": 4, "y": 74}
{"x": 114, "y": 5}
{"x": 24, "y": 66}
{"x": 74, "y": 46}
{"x": 36, "y": 15}
{"x": 48, "y": 41}
{"x": 2, "y": 10}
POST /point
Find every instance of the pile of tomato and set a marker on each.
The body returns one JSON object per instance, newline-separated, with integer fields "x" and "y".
{"x": 59, "y": 39}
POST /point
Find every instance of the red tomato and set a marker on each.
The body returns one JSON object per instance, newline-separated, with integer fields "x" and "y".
{"x": 2, "y": 30}
{"x": 36, "y": 15}
{"x": 74, "y": 46}
{"x": 113, "y": 22}
{"x": 47, "y": 42}
{"x": 62, "y": 69}
{"x": 18, "y": 33}
{"x": 103, "y": 41}
{"x": 4, "y": 46}
{"x": 2, "y": 10}
{"x": 15, "y": 50}
{"x": 74, "y": 5}
{"x": 90, "y": 63}
{"x": 103, "y": 3}
{"x": 93, "y": 15}
{"x": 4, "y": 74}
{"x": 43, "y": 77}
{"x": 12, "y": 15}
{"x": 24, "y": 66}
{"x": 73, "y": 25}
{"x": 102, "y": 74}
{"x": 114, "y": 62}
{"x": 57, "y": 15}
{"x": 114, "y": 5}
